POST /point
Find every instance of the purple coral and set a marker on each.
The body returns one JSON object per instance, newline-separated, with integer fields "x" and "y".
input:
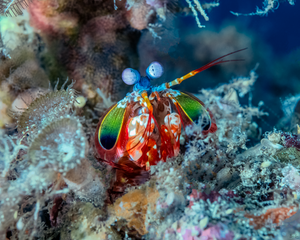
{"x": 219, "y": 231}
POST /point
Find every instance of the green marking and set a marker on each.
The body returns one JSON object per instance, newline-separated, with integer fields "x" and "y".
{"x": 194, "y": 110}
{"x": 110, "y": 127}
{"x": 190, "y": 106}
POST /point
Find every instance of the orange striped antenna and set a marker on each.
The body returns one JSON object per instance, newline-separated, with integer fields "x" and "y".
{"x": 210, "y": 64}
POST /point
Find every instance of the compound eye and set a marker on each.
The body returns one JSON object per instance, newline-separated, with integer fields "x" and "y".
{"x": 155, "y": 70}
{"x": 130, "y": 76}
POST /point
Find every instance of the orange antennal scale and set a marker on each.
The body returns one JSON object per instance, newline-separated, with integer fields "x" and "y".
{"x": 210, "y": 64}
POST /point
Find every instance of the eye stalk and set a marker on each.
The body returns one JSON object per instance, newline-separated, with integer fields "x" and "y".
{"x": 131, "y": 76}
{"x": 155, "y": 70}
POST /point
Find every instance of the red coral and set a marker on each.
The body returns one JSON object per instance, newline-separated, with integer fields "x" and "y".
{"x": 276, "y": 215}
{"x": 212, "y": 196}
{"x": 196, "y": 196}
{"x": 291, "y": 140}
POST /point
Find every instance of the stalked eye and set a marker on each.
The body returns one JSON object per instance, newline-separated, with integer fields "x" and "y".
{"x": 155, "y": 70}
{"x": 130, "y": 76}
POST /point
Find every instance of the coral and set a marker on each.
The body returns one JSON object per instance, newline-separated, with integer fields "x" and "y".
{"x": 14, "y": 207}
{"x": 45, "y": 18}
{"x": 88, "y": 39}
{"x": 275, "y": 215}
{"x": 290, "y": 140}
{"x": 134, "y": 206}
{"x": 139, "y": 14}
{"x": 9, "y": 151}
{"x": 81, "y": 221}
{"x": 200, "y": 9}
{"x": 5, "y": 101}
{"x": 291, "y": 178}
{"x": 288, "y": 155}
{"x": 199, "y": 217}
{"x": 291, "y": 109}
{"x": 217, "y": 187}
{"x": 85, "y": 182}
{"x": 16, "y": 31}
{"x": 269, "y": 5}
{"x": 22, "y": 71}
{"x": 99, "y": 71}
{"x": 51, "y": 162}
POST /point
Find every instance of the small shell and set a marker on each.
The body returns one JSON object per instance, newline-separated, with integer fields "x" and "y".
{"x": 80, "y": 102}
{"x": 155, "y": 70}
{"x": 130, "y": 76}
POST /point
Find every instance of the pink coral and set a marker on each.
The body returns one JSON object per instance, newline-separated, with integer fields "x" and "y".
{"x": 214, "y": 232}
{"x": 44, "y": 17}
{"x": 139, "y": 15}
{"x": 291, "y": 178}
{"x": 291, "y": 140}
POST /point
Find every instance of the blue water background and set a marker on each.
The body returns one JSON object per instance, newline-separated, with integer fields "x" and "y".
{"x": 279, "y": 36}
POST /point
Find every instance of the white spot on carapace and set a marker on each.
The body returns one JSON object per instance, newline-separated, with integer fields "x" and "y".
{"x": 155, "y": 146}
{"x": 141, "y": 139}
{"x": 132, "y": 132}
{"x": 137, "y": 155}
